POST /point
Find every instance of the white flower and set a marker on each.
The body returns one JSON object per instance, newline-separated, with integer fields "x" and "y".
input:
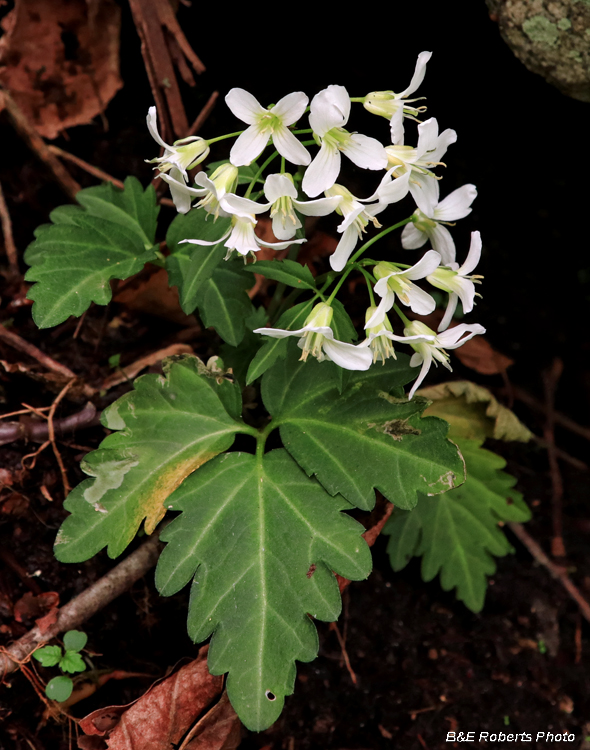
{"x": 357, "y": 216}
{"x": 329, "y": 112}
{"x": 392, "y": 280}
{"x": 282, "y": 196}
{"x": 177, "y": 159}
{"x": 267, "y": 123}
{"x": 242, "y": 238}
{"x": 379, "y": 337}
{"x": 395, "y": 106}
{"x": 456, "y": 281}
{"x": 213, "y": 190}
{"x": 317, "y": 339}
{"x": 427, "y": 219}
{"x": 426, "y": 353}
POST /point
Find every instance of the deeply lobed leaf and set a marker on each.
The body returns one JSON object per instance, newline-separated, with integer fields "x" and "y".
{"x": 250, "y": 531}
{"x": 74, "y": 259}
{"x": 457, "y": 533}
{"x": 165, "y": 429}
{"x": 369, "y": 436}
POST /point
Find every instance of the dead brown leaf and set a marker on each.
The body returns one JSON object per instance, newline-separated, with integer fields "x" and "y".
{"x": 30, "y": 606}
{"x": 479, "y": 355}
{"x": 149, "y": 293}
{"x": 163, "y": 715}
{"x": 60, "y": 60}
{"x": 219, "y": 729}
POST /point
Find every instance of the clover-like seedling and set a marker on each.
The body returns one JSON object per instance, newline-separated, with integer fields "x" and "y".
{"x": 68, "y": 660}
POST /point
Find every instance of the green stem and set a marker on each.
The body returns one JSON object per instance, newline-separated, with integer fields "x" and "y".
{"x": 261, "y": 438}
{"x": 406, "y": 321}
{"x": 223, "y": 137}
{"x": 260, "y": 171}
{"x": 302, "y": 132}
{"x": 370, "y": 281}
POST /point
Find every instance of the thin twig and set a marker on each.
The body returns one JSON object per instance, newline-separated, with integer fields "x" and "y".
{"x": 28, "y": 132}
{"x": 203, "y": 114}
{"x": 334, "y": 627}
{"x": 550, "y": 380}
{"x": 94, "y": 171}
{"x": 556, "y": 571}
{"x": 38, "y": 431}
{"x": 84, "y": 606}
{"x": 56, "y": 453}
{"x": 24, "y": 346}
{"x": 560, "y": 419}
{"x": 563, "y": 455}
{"x": 9, "y": 246}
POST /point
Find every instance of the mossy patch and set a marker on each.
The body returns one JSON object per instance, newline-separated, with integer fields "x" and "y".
{"x": 540, "y": 29}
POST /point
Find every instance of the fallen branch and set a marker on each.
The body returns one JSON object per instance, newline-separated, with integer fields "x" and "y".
{"x": 9, "y": 246}
{"x": 38, "y": 432}
{"x": 50, "y": 427}
{"x": 83, "y": 606}
{"x": 94, "y": 171}
{"x": 24, "y": 346}
{"x": 550, "y": 381}
{"x": 28, "y": 132}
{"x": 556, "y": 571}
{"x": 203, "y": 114}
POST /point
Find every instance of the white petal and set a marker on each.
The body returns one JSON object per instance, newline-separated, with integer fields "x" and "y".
{"x": 413, "y": 238}
{"x": 278, "y": 185}
{"x": 244, "y": 106}
{"x": 473, "y": 256}
{"x": 424, "y": 189}
{"x": 365, "y": 152}
{"x": 424, "y": 267}
{"x": 279, "y": 333}
{"x": 248, "y": 146}
{"x": 290, "y": 107}
{"x": 322, "y": 172}
{"x": 456, "y": 205}
{"x": 279, "y": 245}
{"x": 445, "y": 139}
{"x": 449, "y": 312}
{"x": 288, "y": 146}
{"x": 383, "y": 308}
{"x": 449, "y": 339}
{"x": 396, "y": 126}
{"x": 319, "y": 207}
{"x": 181, "y": 187}
{"x": 152, "y": 123}
{"x": 420, "y": 301}
{"x": 182, "y": 199}
{"x": 466, "y": 291}
{"x": 235, "y": 204}
{"x": 427, "y": 136}
{"x": 423, "y": 372}
{"x": 329, "y": 109}
{"x": 284, "y": 227}
{"x": 348, "y": 356}
{"x": 395, "y": 190}
{"x": 443, "y": 243}
{"x": 207, "y": 242}
{"x": 344, "y": 249}
{"x": 419, "y": 73}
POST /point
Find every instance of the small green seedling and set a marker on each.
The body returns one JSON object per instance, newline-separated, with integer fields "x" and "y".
{"x": 68, "y": 660}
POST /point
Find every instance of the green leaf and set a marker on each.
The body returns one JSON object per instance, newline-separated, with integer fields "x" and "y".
{"x": 72, "y": 662}
{"x": 239, "y": 357}
{"x": 133, "y": 207}
{"x": 59, "y": 688}
{"x": 250, "y": 532}
{"x": 75, "y": 640}
{"x": 74, "y": 259}
{"x": 166, "y": 428}
{"x": 457, "y": 533}
{"x": 275, "y": 349}
{"x": 369, "y": 437}
{"x": 190, "y": 266}
{"x": 286, "y": 271}
{"x": 223, "y": 302}
{"x": 49, "y": 656}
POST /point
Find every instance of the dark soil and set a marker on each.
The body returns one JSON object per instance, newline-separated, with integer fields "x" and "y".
{"x": 425, "y": 665}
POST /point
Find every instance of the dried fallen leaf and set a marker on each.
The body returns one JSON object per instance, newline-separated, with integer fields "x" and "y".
{"x": 479, "y": 355}
{"x": 149, "y": 293}
{"x": 60, "y": 60}
{"x": 163, "y": 715}
{"x": 219, "y": 729}
{"x": 30, "y": 606}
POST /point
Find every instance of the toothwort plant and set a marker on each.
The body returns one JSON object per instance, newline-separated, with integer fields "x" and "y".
{"x": 261, "y": 534}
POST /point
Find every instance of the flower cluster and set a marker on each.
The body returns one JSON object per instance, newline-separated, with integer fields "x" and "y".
{"x": 313, "y": 189}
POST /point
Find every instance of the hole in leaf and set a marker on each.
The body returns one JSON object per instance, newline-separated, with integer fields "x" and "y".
{"x": 270, "y": 696}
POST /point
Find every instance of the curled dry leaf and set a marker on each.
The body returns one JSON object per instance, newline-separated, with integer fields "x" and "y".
{"x": 162, "y": 717}
{"x": 149, "y": 292}
{"x": 60, "y": 60}
{"x": 30, "y": 606}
